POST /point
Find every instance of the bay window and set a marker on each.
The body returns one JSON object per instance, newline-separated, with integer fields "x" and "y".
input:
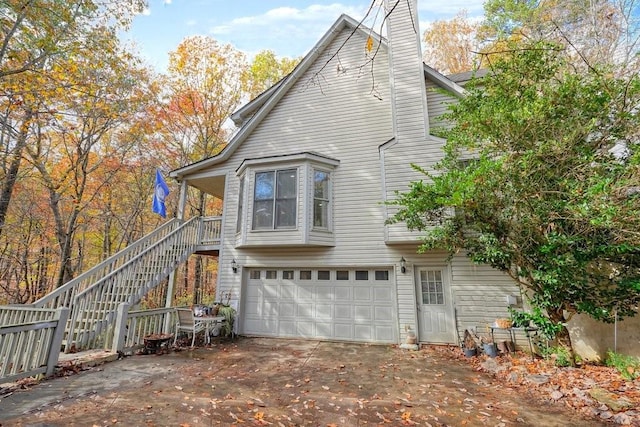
{"x": 288, "y": 201}
{"x": 275, "y": 199}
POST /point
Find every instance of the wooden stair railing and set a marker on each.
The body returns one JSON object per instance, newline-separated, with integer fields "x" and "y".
{"x": 94, "y": 308}
{"x": 64, "y": 295}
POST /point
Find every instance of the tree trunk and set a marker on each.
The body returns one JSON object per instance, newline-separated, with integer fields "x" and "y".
{"x": 12, "y": 174}
{"x": 197, "y": 278}
{"x": 562, "y": 337}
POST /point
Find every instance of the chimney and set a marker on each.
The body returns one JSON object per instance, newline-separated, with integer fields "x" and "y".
{"x": 408, "y": 92}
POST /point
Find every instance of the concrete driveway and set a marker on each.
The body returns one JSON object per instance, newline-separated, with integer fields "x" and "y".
{"x": 255, "y": 381}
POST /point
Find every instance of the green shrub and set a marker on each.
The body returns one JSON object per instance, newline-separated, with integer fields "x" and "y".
{"x": 628, "y": 366}
{"x": 559, "y": 354}
{"x": 229, "y": 314}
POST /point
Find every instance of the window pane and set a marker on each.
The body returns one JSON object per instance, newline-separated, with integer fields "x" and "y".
{"x": 287, "y": 274}
{"x": 432, "y": 287}
{"x": 286, "y": 213}
{"x": 287, "y": 184}
{"x": 382, "y": 275}
{"x": 323, "y": 275}
{"x": 362, "y": 275}
{"x": 263, "y": 214}
{"x": 240, "y": 197}
{"x": 305, "y": 275}
{"x": 320, "y": 213}
{"x": 321, "y": 185}
{"x": 342, "y": 275}
{"x": 321, "y": 200}
{"x": 264, "y": 186}
{"x": 255, "y": 274}
{"x": 272, "y": 274}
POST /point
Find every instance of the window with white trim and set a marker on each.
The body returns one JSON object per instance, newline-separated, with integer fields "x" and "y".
{"x": 275, "y": 199}
{"x": 321, "y": 198}
{"x": 240, "y": 203}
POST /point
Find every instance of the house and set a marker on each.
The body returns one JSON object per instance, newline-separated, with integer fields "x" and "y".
{"x": 305, "y": 251}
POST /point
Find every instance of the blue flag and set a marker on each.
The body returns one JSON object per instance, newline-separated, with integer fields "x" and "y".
{"x": 160, "y": 193}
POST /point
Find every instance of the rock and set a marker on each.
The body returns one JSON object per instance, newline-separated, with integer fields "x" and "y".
{"x": 557, "y": 395}
{"x": 491, "y": 365}
{"x": 606, "y": 415}
{"x": 622, "y": 419}
{"x": 513, "y": 378}
{"x": 613, "y": 402}
{"x": 538, "y": 379}
{"x": 405, "y": 346}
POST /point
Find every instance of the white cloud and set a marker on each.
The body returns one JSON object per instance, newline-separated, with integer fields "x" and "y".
{"x": 285, "y": 30}
{"x": 292, "y": 31}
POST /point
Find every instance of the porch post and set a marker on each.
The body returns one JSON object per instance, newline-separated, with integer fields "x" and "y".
{"x": 182, "y": 201}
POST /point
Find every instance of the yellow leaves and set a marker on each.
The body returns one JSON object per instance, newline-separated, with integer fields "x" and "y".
{"x": 369, "y": 45}
{"x": 406, "y": 419}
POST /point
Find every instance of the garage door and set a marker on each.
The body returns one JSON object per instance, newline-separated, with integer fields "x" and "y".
{"x": 347, "y": 305}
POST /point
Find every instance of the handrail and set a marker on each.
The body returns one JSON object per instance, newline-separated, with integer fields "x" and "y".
{"x": 211, "y": 230}
{"x": 137, "y": 257}
{"x": 91, "y": 313}
{"x": 32, "y": 346}
{"x": 64, "y": 295}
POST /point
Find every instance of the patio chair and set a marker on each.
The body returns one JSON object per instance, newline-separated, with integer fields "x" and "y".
{"x": 187, "y": 322}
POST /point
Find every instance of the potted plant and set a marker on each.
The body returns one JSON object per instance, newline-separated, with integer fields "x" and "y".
{"x": 488, "y": 346}
{"x": 469, "y": 345}
{"x": 229, "y": 314}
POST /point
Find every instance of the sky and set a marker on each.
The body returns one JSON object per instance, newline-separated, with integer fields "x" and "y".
{"x": 290, "y": 28}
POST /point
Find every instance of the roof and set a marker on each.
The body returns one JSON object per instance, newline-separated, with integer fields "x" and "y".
{"x": 462, "y": 78}
{"x": 251, "y": 114}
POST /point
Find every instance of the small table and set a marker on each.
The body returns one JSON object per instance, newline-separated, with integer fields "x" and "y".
{"x": 210, "y": 322}
{"x": 527, "y": 332}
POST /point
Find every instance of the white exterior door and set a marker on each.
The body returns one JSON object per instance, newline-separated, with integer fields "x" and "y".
{"x": 437, "y": 323}
{"x": 346, "y": 305}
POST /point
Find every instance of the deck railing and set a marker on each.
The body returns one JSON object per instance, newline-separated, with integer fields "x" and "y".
{"x": 211, "y": 232}
{"x": 63, "y": 296}
{"x": 87, "y": 306}
{"x": 94, "y": 309}
{"x": 132, "y": 327}
{"x": 30, "y": 340}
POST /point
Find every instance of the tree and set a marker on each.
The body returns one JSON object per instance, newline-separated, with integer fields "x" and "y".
{"x": 452, "y": 46}
{"x": 35, "y": 36}
{"x": 594, "y": 32}
{"x": 542, "y": 172}
{"x": 266, "y": 70}
{"x": 204, "y": 88}
{"x": 75, "y": 137}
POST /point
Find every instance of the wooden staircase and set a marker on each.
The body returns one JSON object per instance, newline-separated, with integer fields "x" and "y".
{"x": 93, "y": 297}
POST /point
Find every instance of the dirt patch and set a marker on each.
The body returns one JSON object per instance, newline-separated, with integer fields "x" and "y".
{"x": 296, "y": 383}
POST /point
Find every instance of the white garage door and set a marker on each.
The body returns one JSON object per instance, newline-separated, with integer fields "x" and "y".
{"x": 348, "y": 305}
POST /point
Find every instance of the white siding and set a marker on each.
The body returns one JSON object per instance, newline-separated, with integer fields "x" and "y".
{"x": 336, "y": 114}
{"x": 338, "y": 117}
{"x": 437, "y": 102}
{"x": 480, "y": 294}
